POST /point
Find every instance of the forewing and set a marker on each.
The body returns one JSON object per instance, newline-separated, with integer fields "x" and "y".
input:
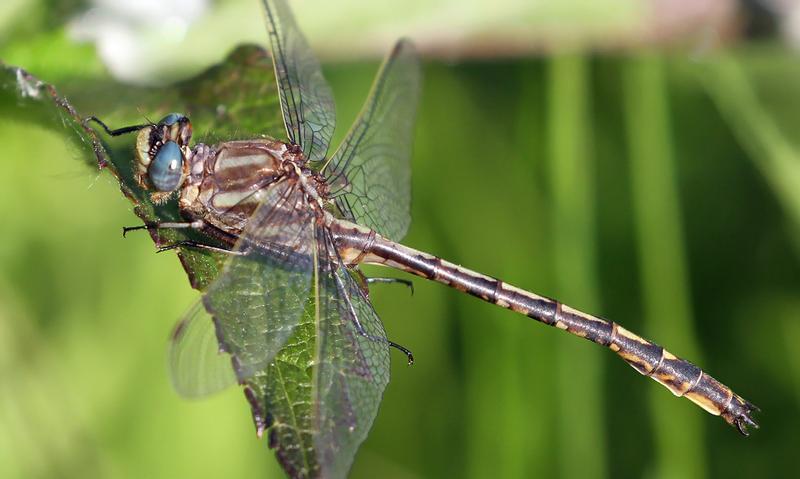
{"x": 258, "y": 298}
{"x": 306, "y": 99}
{"x": 197, "y": 366}
{"x": 353, "y": 363}
{"x": 370, "y": 172}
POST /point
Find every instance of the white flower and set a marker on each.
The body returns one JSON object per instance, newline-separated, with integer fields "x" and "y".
{"x": 133, "y": 38}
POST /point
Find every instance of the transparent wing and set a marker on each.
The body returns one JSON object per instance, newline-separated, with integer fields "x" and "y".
{"x": 306, "y": 100}
{"x": 197, "y": 366}
{"x": 370, "y": 172}
{"x": 258, "y": 299}
{"x": 353, "y": 362}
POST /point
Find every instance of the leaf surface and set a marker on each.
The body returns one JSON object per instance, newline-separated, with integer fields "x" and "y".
{"x": 236, "y": 99}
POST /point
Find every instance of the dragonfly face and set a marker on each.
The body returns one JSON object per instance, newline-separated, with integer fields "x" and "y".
{"x": 221, "y": 184}
{"x": 161, "y": 152}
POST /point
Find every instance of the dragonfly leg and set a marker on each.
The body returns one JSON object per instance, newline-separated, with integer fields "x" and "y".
{"x": 360, "y": 328}
{"x": 404, "y": 350}
{"x": 361, "y": 332}
{"x": 195, "y": 244}
{"x": 195, "y": 225}
{"x": 406, "y": 282}
{"x": 119, "y": 131}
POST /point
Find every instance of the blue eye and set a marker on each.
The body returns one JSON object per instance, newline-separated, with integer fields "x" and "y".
{"x": 171, "y": 119}
{"x": 166, "y": 169}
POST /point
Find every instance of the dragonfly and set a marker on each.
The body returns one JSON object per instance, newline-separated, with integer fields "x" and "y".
{"x": 297, "y": 223}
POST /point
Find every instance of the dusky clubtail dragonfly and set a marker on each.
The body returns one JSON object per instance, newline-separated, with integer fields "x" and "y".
{"x": 297, "y": 223}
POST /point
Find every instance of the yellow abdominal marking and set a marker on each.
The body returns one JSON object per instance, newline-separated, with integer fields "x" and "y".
{"x": 624, "y": 332}
{"x": 704, "y": 403}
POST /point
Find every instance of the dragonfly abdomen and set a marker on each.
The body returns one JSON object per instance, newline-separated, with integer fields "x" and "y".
{"x": 681, "y": 377}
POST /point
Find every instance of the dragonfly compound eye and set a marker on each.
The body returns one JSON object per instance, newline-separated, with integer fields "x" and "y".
{"x": 177, "y": 127}
{"x": 171, "y": 119}
{"x": 166, "y": 169}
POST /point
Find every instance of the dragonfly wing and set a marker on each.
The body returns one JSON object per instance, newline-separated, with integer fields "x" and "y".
{"x": 370, "y": 173}
{"x": 353, "y": 362}
{"x": 197, "y": 366}
{"x": 258, "y": 299}
{"x": 306, "y": 99}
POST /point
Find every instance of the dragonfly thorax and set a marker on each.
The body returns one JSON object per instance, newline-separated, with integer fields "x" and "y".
{"x": 225, "y": 183}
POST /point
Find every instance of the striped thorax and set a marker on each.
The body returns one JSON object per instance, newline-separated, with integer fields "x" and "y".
{"x": 227, "y": 182}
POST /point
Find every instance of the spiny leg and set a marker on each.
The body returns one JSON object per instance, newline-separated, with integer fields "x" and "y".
{"x": 119, "y": 131}
{"x": 195, "y": 225}
{"x": 402, "y": 349}
{"x": 406, "y": 282}
{"x": 362, "y": 332}
{"x": 201, "y": 246}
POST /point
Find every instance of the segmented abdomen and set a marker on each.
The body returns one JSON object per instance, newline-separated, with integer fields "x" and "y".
{"x": 678, "y": 375}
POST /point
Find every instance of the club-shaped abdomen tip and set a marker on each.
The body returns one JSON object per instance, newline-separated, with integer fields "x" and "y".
{"x": 739, "y": 413}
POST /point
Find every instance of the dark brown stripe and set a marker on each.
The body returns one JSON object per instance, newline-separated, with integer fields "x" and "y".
{"x": 677, "y": 374}
{"x": 243, "y": 178}
{"x": 594, "y": 329}
{"x": 416, "y": 264}
{"x": 640, "y": 354}
{"x": 243, "y": 209}
{"x": 710, "y": 394}
{"x": 478, "y": 286}
{"x": 540, "y": 309}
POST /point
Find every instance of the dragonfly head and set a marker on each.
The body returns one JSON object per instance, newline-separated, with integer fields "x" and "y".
{"x": 161, "y": 152}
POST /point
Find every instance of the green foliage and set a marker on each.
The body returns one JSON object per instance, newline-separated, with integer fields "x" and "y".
{"x": 83, "y": 313}
{"x": 234, "y": 100}
{"x": 664, "y": 278}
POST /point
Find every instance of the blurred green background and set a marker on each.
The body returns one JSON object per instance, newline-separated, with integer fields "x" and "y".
{"x": 656, "y": 184}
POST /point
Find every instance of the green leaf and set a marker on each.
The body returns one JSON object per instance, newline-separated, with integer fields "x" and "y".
{"x": 236, "y": 99}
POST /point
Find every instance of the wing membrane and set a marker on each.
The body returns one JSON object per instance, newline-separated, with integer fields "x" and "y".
{"x": 259, "y": 297}
{"x": 197, "y": 366}
{"x": 353, "y": 362}
{"x": 370, "y": 172}
{"x": 306, "y": 100}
